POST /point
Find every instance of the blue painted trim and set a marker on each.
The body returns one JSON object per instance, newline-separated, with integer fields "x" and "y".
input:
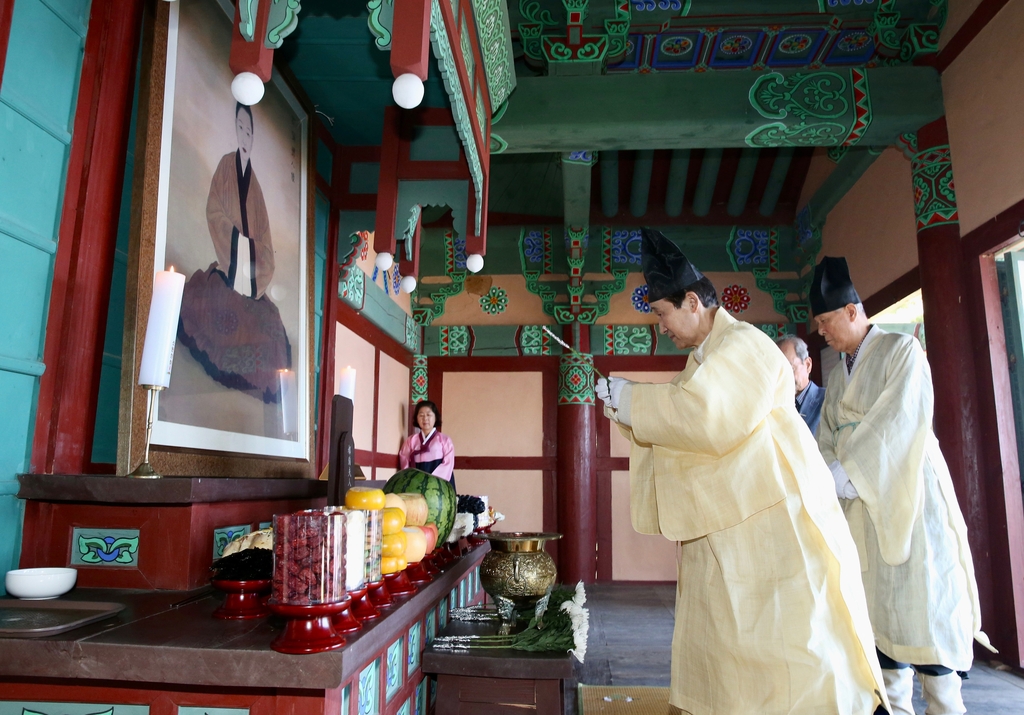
{"x": 21, "y": 366}
{"x": 28, "y": 237}
{"x": 113, "y": 361}
{"x": 9, "y": 487}
{"x": 57, "y": 132}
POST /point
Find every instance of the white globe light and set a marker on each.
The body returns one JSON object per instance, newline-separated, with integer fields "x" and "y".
{"x": 474, "y": 263}
{"x": 407, "y": 90}
{"x": 384, "y": 261}
{"x": 247, "y": 88}
{"x": 409, "y": 284}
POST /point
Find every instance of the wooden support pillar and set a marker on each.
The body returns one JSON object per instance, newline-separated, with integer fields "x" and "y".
{"x": 577, "y": 470}
{"x": 947, "y": 323}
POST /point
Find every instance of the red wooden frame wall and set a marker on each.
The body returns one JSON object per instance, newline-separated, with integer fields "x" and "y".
{"x": 441, "y": 368}
{"x": 79, "y": 297}
{"x": 336, "y": 311}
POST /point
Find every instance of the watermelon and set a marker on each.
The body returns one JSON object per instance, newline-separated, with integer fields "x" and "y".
{"x": 439, "y": 494}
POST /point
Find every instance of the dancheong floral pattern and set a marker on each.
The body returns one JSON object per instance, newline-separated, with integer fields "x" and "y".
{"x": 736, "y": 298}
{"x": 735, "y": 45}
{"x": 495, "y": 301}
{"x": 794, "y": 44}
{"x": 641, "y": 304}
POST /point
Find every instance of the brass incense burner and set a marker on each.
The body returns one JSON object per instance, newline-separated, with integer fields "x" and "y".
{"x": 517, "y": 572}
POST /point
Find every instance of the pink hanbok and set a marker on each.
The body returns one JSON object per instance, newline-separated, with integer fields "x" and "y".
{"x": 433, "y": 454}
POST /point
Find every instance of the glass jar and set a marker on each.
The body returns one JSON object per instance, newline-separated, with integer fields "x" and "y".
{"x": 309, "y": 557}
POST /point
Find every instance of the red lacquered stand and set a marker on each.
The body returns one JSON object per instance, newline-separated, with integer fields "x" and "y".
{"x": 399, "y": 584}
{"x": 308, "y": 629}
{"x": 362, "y": 608}
{"x": 379, "y": 595}
{"x": 418, "y": 573}
{"x": 243, "y": 599}
{"x": 346, "y": 622}
{"x": 430, "y": 565}
{"x": 448, "y": 555}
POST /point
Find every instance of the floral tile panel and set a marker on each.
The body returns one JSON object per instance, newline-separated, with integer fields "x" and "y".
{"x": 393, "y": 670}
{"x": 105, "y": 547}
{"x": 369, "y": 689}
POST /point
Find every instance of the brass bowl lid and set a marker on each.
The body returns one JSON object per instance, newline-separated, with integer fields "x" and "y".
{"x": 519, "y": 540}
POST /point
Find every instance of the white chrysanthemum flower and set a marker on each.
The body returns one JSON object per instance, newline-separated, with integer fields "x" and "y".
{"x": 579, "y": 639}
{"x": 581, "y": 595}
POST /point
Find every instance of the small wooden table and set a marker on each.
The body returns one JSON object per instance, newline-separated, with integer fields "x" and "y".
{"x": 500, "y": 681}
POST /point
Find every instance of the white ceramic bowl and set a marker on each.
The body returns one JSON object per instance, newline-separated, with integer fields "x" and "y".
{"x": 39, "y": 584}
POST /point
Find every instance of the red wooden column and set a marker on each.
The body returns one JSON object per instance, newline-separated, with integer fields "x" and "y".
{"x": 577, "y": 470}
{"x": 948, "y": 325}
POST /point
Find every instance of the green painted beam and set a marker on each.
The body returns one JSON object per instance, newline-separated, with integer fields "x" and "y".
{"x": 690, "y": 111}
{"x": 676, "y": 189}
{"x": 641, "y": 189}
{"x": 848, "y": 172}
{"x": 741, "y": 184}
{"x": 575, "y": 192}
{"x": 706, "y": 181}
{"x": 609, "y": 161}
{"x": 776, "y": 180}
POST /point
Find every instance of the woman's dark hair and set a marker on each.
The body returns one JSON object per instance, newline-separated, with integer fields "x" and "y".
{"x": 433, "y": 408}
{"x": 703, "y": 289}
{"x": 239, "y": 107}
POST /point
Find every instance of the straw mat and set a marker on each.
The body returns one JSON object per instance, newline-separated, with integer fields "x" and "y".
{"x": 624, "y": 700}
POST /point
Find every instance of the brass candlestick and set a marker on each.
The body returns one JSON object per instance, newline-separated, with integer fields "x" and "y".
{"x": 145, "y": 470}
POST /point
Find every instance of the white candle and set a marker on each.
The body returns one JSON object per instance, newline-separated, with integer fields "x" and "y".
{"x": 162, "y": 329}
{"x": 289, "y": 404}
{"x": 347, "y": 383}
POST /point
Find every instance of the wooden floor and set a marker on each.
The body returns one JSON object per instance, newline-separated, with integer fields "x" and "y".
{"x": 631, "y": 638}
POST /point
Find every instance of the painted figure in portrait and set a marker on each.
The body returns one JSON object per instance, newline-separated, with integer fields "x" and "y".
{"x": 228, "y": 321}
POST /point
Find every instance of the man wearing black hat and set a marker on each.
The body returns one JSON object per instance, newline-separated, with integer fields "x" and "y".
{"x": 770, "y": 610}
{"x": 894, "y": 486}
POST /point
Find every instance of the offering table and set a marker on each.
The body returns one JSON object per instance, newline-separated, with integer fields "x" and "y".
{"x": 165, "y": 654}
{"x": 501, "y": 680}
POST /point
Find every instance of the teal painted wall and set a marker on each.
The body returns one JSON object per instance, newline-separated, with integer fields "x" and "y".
{"x": 37, "y": 107}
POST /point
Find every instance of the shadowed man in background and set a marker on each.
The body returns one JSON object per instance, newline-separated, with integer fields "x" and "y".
{"x": 809, "y": 396}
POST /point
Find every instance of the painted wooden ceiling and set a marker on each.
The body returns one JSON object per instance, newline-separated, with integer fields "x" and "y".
{"x": 665, "y": 109}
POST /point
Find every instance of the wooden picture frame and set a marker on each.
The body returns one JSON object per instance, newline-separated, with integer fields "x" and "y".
{"x": 217, "y": 420}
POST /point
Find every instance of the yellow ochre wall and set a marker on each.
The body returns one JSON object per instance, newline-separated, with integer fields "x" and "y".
{"x": 874, "y": 225}
{"x": 984, "y": 98}
{"x": 498, "y": 414}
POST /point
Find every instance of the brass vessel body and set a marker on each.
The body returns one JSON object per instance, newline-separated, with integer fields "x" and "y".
{"x": 517, "y": 568}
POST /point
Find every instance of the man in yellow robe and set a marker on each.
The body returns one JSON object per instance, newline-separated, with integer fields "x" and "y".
{"x": 770, "y": 612}
{"x": 876, "y": 435}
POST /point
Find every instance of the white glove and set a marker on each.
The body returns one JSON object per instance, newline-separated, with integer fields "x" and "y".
{"x": 844, "y": 487}
{"x": 601, "y": 390}
{"x": 615, "y": 385}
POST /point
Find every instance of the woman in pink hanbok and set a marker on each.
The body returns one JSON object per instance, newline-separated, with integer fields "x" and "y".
{"x": 428, "y": 449}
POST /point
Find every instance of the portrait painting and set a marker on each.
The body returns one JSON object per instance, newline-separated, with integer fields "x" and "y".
{"x": 232, "y": 216}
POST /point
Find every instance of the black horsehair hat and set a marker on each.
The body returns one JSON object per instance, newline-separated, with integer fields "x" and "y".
{"x": 832, "y": 288}
{"x": 666, "y": 270}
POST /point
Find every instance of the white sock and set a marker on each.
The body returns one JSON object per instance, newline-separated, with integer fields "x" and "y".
{"x": 899, "y": 686}
{"x": 942, "y": 693}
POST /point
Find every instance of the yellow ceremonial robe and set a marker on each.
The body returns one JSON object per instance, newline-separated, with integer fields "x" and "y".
{"x": 916, "y": 562}
{"x": 770, "y": 612}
